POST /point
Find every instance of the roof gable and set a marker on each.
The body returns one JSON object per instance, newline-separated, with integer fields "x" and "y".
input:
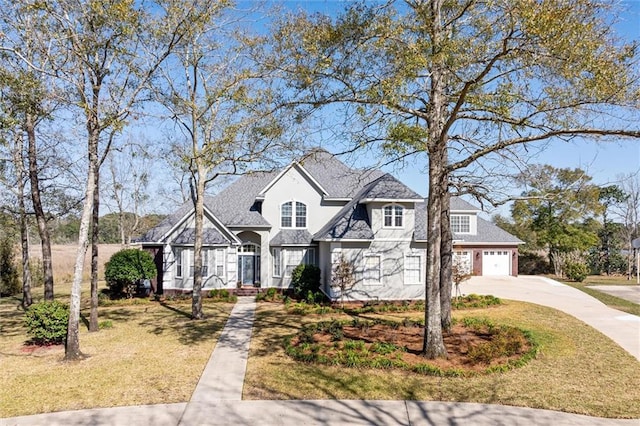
{"x": 164, "y": 231}
{"x": 487, "y": 232}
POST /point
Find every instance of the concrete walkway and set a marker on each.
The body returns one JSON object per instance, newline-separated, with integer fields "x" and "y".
{"x": 217, "y": 397}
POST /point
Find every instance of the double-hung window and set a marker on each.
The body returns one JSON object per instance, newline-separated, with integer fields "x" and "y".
{"x": 178, "y": 255}
{"x": 372, "y": 269}
{"x": 277, "y": 261}
{"x": 460, "y": 224}
{"x": 220, "y": 261}
{"x": 393, "y": 216}
{"x": 294, "y": 258}
{"x": 413, "y": 269}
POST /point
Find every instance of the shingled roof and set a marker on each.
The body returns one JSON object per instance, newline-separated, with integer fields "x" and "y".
{"x": 487, "y": 232}
{"x": 292, "y": 237}
{"x": 235, "y": 205}
{"x": 352, "y": 221}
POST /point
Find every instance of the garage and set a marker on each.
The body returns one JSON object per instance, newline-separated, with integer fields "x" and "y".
{"x": 496, "y": 262}
{"x": 462, "y": 260}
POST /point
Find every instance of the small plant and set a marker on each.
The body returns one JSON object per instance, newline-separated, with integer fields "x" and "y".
{"x": 576, "y": 271}
{"x": 271, "y": 295}
{"x": 105, "y": 324}
{"x": 47, "y": 322}
{"x": 342, "y": 277}
{"x": 222, "y": 295}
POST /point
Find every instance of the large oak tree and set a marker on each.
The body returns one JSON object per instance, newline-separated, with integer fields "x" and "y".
{"x": 463, "y": 81}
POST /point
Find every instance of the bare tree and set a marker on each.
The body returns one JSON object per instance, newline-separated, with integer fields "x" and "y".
{"x": 629, "y": 214}
{"x": 104, "y": 53}
{"x": 129, "y": 169}
{"x": 223, "y": 111}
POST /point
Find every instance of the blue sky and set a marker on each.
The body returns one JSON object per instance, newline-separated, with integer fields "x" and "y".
{"x": 605, "y": 162}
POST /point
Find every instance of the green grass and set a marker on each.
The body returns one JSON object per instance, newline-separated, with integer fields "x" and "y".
{"x": 608, "y": 299}
{"x": 575, "y": 364}
{"x": 609, "y": 280}
{"x": 145, "y": 353}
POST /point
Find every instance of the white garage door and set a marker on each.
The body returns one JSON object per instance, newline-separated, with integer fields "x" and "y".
{"x": 496, "y": 262}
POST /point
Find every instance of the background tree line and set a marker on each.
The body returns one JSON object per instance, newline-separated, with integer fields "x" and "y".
{"x": 566, "y": 220}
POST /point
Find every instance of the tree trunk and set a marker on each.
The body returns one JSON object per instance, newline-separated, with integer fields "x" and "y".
{"x": 43, "y": 231}
{"x": 72, "y": 346}
{"x": 93, "y": 316}
{"x": 196, "y": 301}
{"x": 446, "y": 260}
{"x": 433, "y": 346}
{"x": 24, "y": 229}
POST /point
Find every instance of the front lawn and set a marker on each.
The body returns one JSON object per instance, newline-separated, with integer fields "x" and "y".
{"x": 574, "y": 365}
{"x": 150, "y": 353}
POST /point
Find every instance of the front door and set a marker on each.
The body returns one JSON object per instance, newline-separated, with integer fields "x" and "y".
{"x": 249, "y": 264}
{"x": 247, "y": 269}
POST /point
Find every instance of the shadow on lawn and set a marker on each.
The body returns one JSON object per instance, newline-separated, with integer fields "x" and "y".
{"x": 190, "y": 332}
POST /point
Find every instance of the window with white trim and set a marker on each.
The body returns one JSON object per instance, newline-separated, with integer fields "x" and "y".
{"x": 294, "y": 258}
{"x": 178, "y": 256}
{"x": 190, "y": 254}
{"x": 413, "y": 269}
{"x": 293, "y": 214}
{"x": 220, "y": 261}
{"x": 372, "y": 273}
{"x": 205, "y": 262}
{"x": 309, "y": 256}
{"x": 460, "y": 224}
{"x": 393, "y": 216}
{"x": 277, "y": 261}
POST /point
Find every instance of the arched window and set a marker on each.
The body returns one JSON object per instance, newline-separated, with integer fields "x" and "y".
{"x": 393, "y": 216}
{"x": 293, "y": 218}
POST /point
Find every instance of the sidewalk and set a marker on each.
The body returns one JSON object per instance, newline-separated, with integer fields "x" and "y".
{"x": 217, "y": 397}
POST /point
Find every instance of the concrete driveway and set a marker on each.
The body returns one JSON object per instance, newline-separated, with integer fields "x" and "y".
{"x": 622, "y": 328}
{"x": 627, "y": 292}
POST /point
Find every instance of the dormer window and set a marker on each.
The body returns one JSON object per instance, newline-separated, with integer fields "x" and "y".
{"x": 291, "y": 217}
{"x": 393, "y": 216}
{"x": 460, "y": 224}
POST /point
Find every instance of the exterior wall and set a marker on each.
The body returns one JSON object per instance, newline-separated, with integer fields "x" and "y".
{"x": 393, "y": 284}
{"x": 376, "y": 216}
{"x": 293, "y": 186}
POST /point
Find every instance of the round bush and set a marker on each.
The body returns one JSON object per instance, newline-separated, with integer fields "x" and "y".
{"x": 576, "y": 271}
{"x": 47, "y": 322}
{"x": 305, "y": 279}
{"x": 124, "y": 270}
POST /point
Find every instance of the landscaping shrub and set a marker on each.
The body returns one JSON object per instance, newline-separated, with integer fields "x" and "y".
{"x": 222, "y": 295}
{"x": 533, "y": 264}
{"x": 576, "y": 271}
{"x": 305, "y": 279}
{"x": 9, "y": 280}
{"x": 271, "y": 295}
{"x": 47, "y": 322}
{"x": 124, "y": 270}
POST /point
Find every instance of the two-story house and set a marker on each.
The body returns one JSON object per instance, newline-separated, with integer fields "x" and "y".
{"x": 320, "y": 211}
